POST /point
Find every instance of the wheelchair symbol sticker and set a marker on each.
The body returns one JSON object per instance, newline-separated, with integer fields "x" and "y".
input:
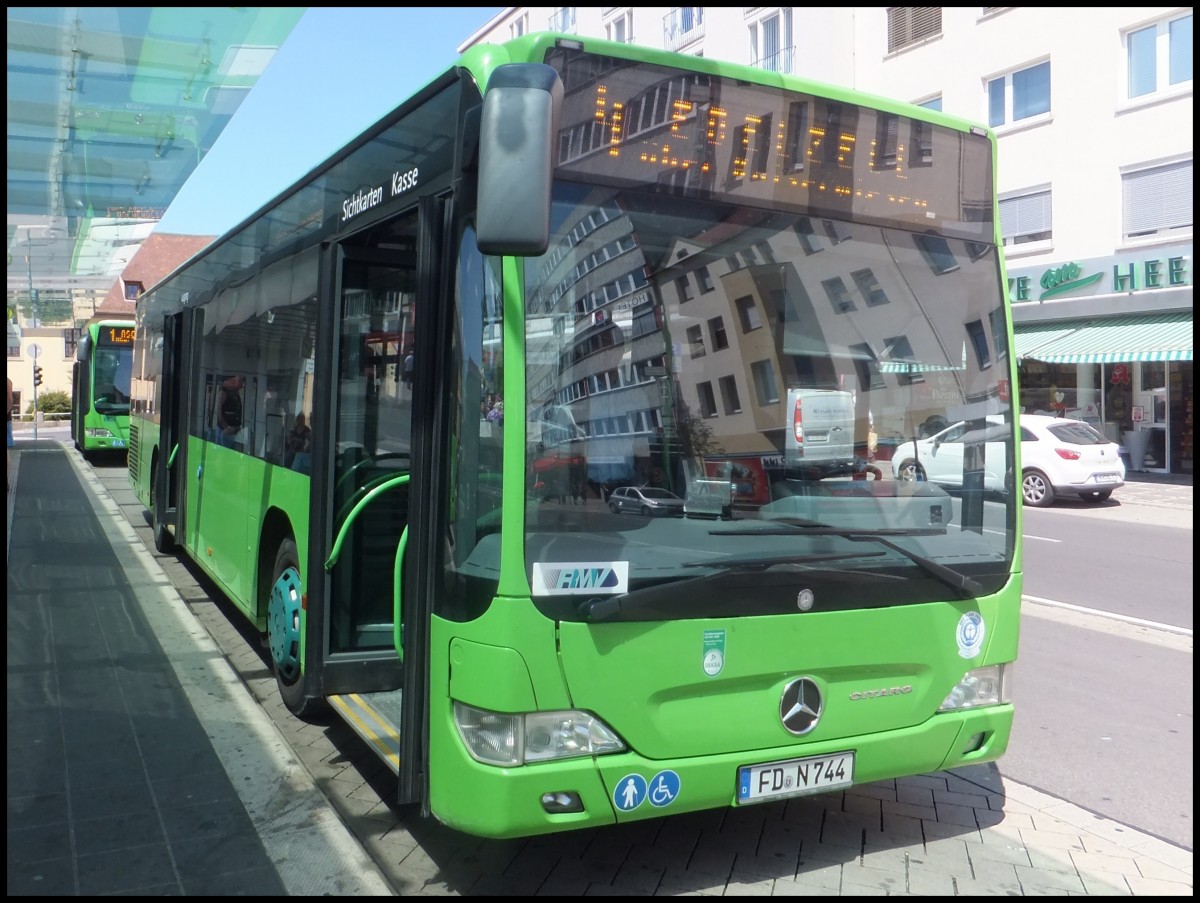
{"x": 664, "y": 788}
{"x": 630, "y": 792}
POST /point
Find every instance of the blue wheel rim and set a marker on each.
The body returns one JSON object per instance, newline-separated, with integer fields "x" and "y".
{"x": 283, "y": 623}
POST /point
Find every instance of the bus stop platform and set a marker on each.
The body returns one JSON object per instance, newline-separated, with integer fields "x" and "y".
{"x": 148, "y": 754}
{"x": 137, "y": 761}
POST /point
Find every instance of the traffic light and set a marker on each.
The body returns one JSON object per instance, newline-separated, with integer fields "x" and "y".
{"x": 37, "y": 374}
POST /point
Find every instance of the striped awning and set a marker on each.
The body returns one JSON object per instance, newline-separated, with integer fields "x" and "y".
{"x": 1156, "y": 337}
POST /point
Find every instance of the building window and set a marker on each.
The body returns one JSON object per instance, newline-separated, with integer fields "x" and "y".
{"x": 695, "y": 339}
{"x": 132, "y": 290}
{"x": 682, "y": 25}
{"x": 886, "y": 154}
{"x": 899, "y": 355}
{"x": 979, "y": 342}
{"x": 70, "y": 342}
{"x": 839, "y": 295}
{"x": 765, "y": 391}
{"x": 934, "y": 103}
{"x": 620, "y": 28}
{"x": 771, "y": 38}
{"x": 837, "y": 231}
{"x": 748, "y": 313}
{"x": 752, "y": 147}
{"x": 999, "y": 332}
{"x": 1157, "y": 201}
{"x": 806, "y": 234}
{"x": 716, "y": 332}
{"x": 937, "y": 253}
{"x": 519, "y": 25}
{"x": 796, "y": 143}
{"x": 1019, "y": 95}
{"x": 869, "y": 287}
{"x": 908, "y": 25}
{"x": 708, "y": 401}
{"x": 1159, "y": 56}
{"x": 704, "y": 278}
{"x": 920, "y": 151}
{"x": 684, "y": 287}
{"x": 563, "y": 20}
{"x": 729, "y": 395}
{"x": 1026, "y": 218}
{"x": 867, "y": 366}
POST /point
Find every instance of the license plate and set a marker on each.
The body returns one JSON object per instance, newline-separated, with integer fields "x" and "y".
{"x": 795, "y": 777}
{"x": 1107, "y": 478}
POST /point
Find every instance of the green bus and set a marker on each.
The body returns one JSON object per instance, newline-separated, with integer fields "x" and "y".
{"x": 625, "y": 260}
{"x": 100, "y": 387}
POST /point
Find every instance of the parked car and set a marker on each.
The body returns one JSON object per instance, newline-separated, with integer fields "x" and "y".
{"x": 648, "y": 501}
{"x": 1059, "y": 456}
{"x": 1067, "y": 457}
{"x": 938, "y": 457}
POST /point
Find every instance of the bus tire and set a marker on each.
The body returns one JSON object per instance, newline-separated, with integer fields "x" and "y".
{"x": 164, "y": 542}
{"x": 283, "y": 630}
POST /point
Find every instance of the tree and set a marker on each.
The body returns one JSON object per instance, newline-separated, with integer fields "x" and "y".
{"x": 55, "y": 401}
{"x": 51, "y": 309}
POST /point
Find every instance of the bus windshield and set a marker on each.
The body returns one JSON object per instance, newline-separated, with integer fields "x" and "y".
{"x": 764, "y": 367}
{"x": 112, "y": 368}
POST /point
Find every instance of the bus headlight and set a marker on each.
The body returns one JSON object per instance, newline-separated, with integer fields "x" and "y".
{"x": 98, "y": 432}
{"x": 499, "y": 738}
{"x": 980, "y": 687}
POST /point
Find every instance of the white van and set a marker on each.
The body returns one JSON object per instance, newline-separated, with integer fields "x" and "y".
{"x": 819, "y": 428}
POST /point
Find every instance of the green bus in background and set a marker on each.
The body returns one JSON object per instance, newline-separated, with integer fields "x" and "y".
{"x": 100, "y": 387}
{"x": 629, "y": 261}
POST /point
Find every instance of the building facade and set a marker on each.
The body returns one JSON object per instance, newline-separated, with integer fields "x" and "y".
{"x": 1094, "y": 119}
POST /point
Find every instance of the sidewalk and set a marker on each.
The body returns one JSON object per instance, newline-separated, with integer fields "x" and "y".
{"x": 136, "y": 762}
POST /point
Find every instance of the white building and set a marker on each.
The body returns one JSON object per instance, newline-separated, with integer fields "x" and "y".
{"x": 1094, "y": 117}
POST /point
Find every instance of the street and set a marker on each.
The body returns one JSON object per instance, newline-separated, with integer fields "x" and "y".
{"x": 1104, "y": 712}
{"x": 1085, "y": 734}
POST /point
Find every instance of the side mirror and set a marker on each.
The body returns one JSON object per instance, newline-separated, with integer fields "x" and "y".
{"x": 517, "y": 131}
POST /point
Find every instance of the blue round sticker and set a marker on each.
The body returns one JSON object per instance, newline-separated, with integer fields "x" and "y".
{"x": 630, "y": 792}
{"x": 970, "y": 634}
{"x": 664, "y": 788}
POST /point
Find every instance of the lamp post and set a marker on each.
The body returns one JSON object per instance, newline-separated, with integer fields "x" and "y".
{"x": 35, "y": 350}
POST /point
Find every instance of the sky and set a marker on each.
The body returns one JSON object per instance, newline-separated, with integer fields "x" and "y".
{"x": 338, "y": 72}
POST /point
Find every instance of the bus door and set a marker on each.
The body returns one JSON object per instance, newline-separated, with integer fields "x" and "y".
{"x": 77, "y": 396}
{"x": 168, "y": 460}
{"x": 382, "y": 273}
{"x": 81, "y": 391}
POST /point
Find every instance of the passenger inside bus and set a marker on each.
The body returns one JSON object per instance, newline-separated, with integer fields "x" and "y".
{"x": 229, "y": 410}
{"x": 298, "y": 455}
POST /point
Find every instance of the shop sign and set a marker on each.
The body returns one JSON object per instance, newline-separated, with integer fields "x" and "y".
{"x": 1127, "y": 276}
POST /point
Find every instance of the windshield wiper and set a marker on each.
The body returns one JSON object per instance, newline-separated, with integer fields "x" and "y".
{"x": 959, "y": 582}
{"x": 762, "y": 562}
{"x": 605, "y": 608}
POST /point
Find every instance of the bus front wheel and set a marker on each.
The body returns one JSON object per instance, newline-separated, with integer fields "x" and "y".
{"x": 283, "y": 630}
{"x": 164, "y": 542}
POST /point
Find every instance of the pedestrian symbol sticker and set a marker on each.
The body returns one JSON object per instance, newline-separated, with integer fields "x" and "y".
{"x": 664, "y": 788}
{"x": 630, "y": 792}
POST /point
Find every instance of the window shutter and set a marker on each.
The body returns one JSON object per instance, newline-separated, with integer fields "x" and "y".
{"x": 1157, "y": 199}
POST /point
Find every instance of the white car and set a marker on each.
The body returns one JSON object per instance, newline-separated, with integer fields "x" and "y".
{"x": 646, "y": 501}
{"x": 1058, "y": 457}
